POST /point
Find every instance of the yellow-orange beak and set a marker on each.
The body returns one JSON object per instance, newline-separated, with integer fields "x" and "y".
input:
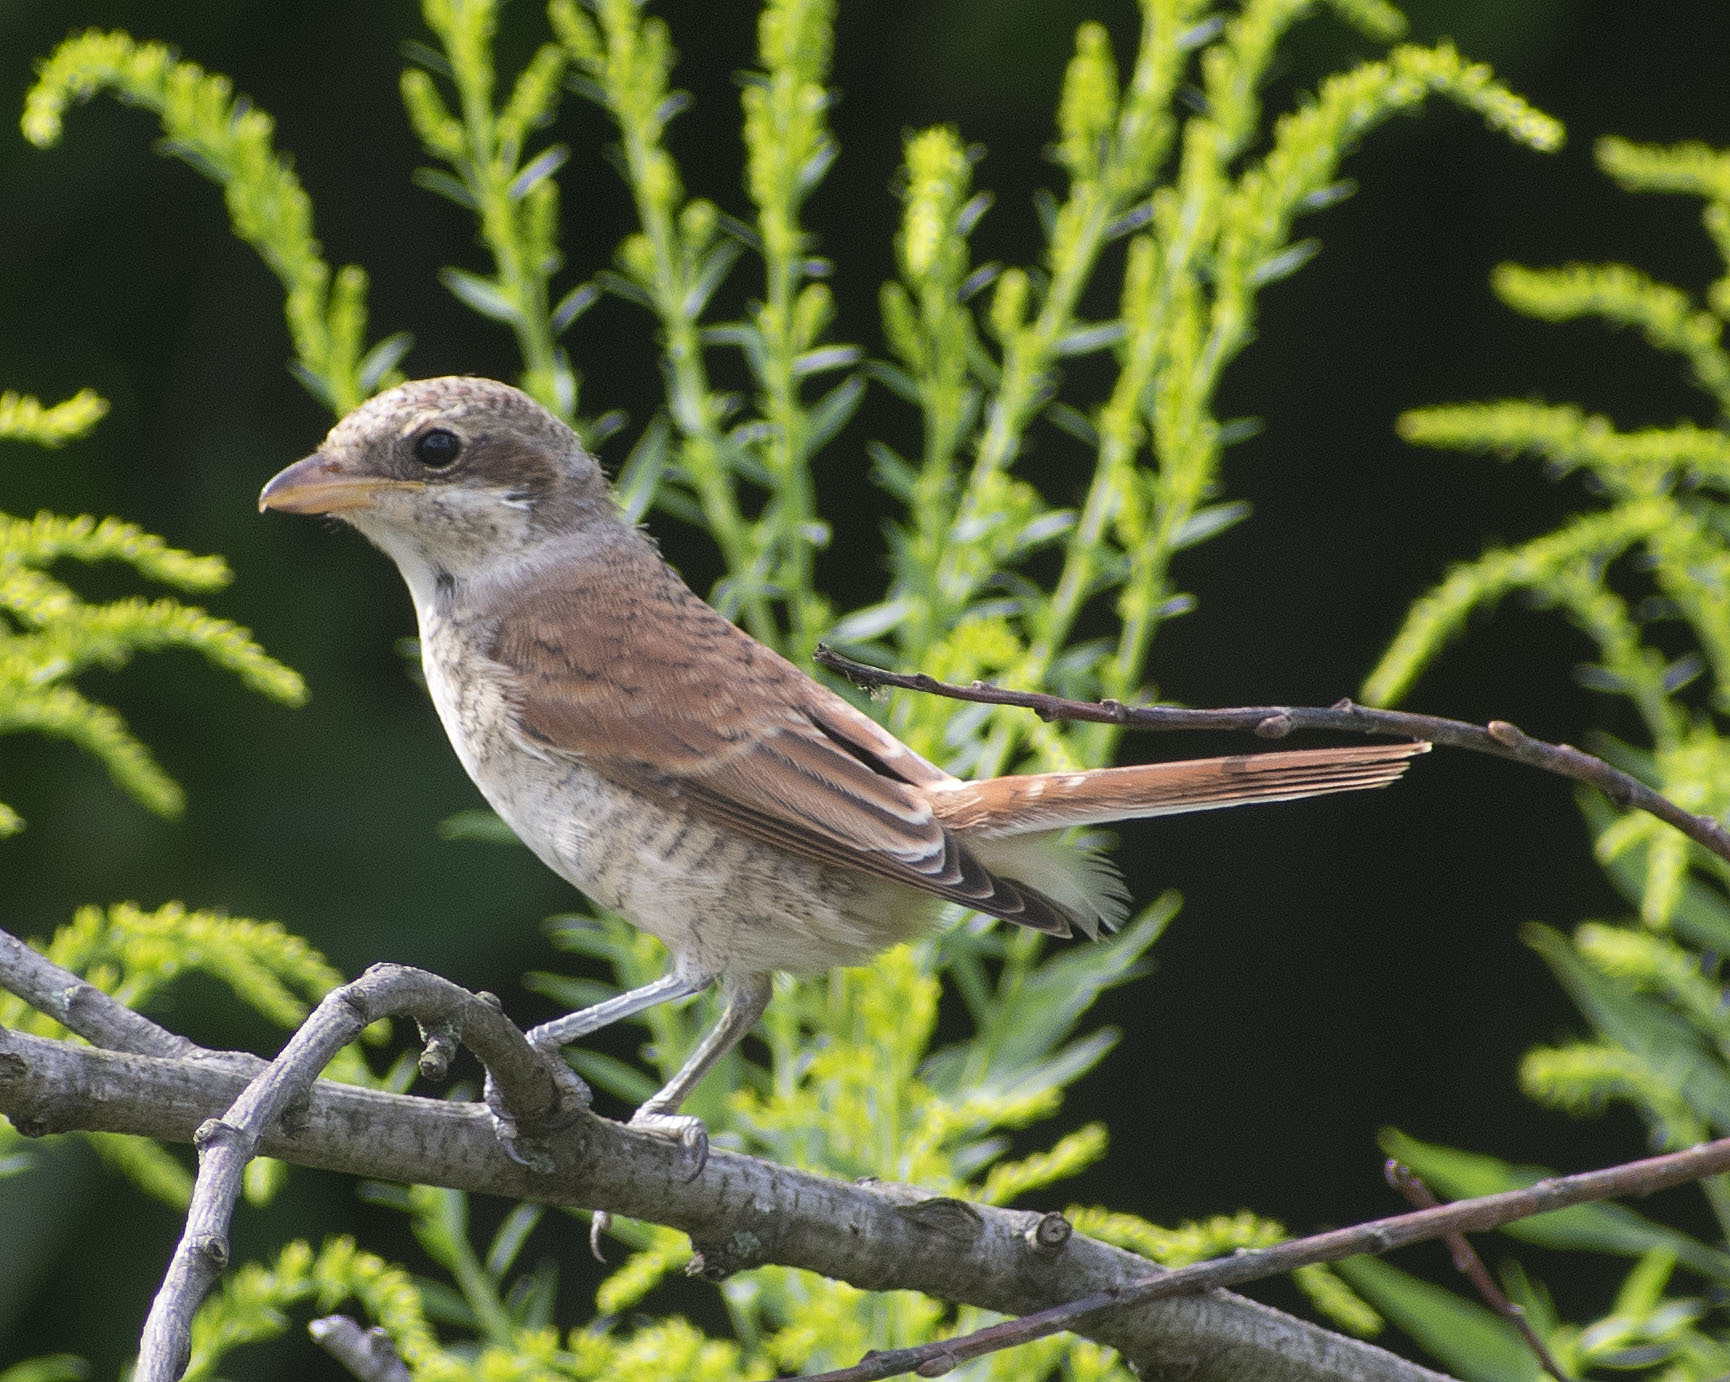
{"x": 319, "y": 485}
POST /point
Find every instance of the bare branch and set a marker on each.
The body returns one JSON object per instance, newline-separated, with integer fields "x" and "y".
{"x": 1471, "y": 1266}
{"x": 369, "y": 1354}
{"x": 1498, "y": 737}
{"x": 1252, "y": 1264}
{"x": 82, "y": 1007}
{"x": 741, "y": 1212}
{"x": 225, "y": 1145}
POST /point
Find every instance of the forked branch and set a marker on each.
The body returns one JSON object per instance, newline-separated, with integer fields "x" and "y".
{"x": 741, "y": 1212}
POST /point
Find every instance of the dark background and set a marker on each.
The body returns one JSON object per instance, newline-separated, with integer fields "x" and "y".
{"x": 1338, "y": 966}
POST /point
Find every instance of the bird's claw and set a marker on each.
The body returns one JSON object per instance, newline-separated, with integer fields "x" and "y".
{"x": 574, "y": 1095}
{"x": 505, "y": 1129}
{"x": 682, "y": 1128}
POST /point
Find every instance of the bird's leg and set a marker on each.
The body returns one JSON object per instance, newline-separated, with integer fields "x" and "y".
{"x": 672, "y": 985}
{"x": 746, "y": 996}
{"x": 549, "y": 1036}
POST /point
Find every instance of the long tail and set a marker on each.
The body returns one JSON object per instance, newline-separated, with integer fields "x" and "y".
{"x": 1049, "y": 801}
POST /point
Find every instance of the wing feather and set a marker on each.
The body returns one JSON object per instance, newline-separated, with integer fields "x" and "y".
{"x": 661, "y": 695}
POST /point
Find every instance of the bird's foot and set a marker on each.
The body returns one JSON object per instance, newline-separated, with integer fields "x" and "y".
{"x": 682, "y": 1128}
{"x": 509, "y": 1139}
{"x": 574, "y": 1095}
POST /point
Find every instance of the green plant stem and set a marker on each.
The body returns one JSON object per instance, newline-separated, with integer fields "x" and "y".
{"x": 1027, "y": 359}
{"x": 787, "y": 140}
{"x": 487, "y": 169}
{"x": 471, "y": 1276}
{"x": 630, "y": 68}
{"x": 694, "y": 407}
{"x": 794, "y": 501}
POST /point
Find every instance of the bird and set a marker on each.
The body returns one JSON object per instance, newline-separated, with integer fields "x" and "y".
{"x": 680, "y": 772}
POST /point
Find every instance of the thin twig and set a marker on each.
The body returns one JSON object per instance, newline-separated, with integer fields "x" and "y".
{"x": 1245, "y": 1265}
{"x": 225, "y": 1145}
{"x": 1498, "y": 737}
{"x": 1471, "y": 1266}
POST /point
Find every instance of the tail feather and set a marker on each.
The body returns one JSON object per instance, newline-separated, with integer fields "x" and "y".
{"x": 1015, "y": 805}
{"x": 1080, "y": 886}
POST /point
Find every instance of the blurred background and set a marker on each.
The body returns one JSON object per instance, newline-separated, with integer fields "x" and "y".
{"x": 1337, "y": 966}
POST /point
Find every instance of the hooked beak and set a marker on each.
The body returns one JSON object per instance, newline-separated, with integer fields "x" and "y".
{"x": 318, "y": 485}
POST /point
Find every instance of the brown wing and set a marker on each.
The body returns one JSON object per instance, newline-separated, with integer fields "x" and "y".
{"x": 662, "y": 695}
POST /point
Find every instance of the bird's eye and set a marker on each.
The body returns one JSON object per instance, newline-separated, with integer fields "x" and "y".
{"x": 437, "y": 449}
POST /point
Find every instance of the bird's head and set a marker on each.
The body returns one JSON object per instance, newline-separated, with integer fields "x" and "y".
{"x": 448, "y": 475}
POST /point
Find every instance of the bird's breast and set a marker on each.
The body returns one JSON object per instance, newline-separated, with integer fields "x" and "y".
{"x": 555, "y": 805}
{"x": 470, "y": 691}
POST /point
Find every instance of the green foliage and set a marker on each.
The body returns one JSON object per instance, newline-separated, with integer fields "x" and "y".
{"x": 1608, "y": 1228}
{"x": 25, "y": 419}
{"x": 714, "y": 446}
{"x": 1469, "y": 1339}
{"x": 514, "y": 201}
{"x": 229, "y": 141}
{"x": 1647, "y": 578}
{"x": 983, "y": 368}
{"x": 60, "y": 1367}
{"x": 1180, "y": 218}
{"x": 853, "y": 1087}
{"x": 1217, "y": 1236}
{"x": 49, "y": 635}
{"x": 250, "y": 1305}
{"x": 133, "y": 955}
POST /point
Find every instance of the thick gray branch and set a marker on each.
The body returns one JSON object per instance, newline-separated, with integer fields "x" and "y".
{"x": 740, "y": 1212}
{"x": 272, "y": 1099}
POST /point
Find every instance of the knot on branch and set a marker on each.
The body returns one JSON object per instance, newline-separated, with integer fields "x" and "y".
{"x": 938, "y": 1366}
{"x": 1048, "y": 1234}
{"x": 716, "y": 1262}
{"x": 218, "y": 1133}
{"x": 952, "y": 1218}
{"x": 211, "y": 1249}
{"x": 440, "y": 1049}
{"x": 295, "y": 1115}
